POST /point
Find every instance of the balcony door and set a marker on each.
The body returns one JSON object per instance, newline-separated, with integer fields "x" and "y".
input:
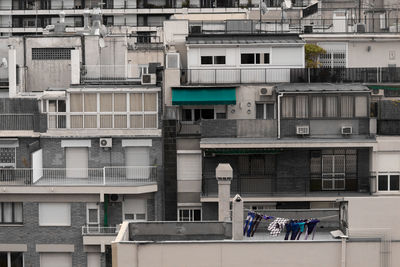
{"x": 76, "y": 162}
{"x": 333, "y": 172}
{"x": 137, "y": 161}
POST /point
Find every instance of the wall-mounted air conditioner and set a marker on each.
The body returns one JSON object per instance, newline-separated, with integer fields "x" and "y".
{"x": 115, "y": 198}
{"x": 265, "y": 91}
{"x": 105, "y": 142}
{"x": 346, "y": 130}
{"x": 360, "y": 28}
{"x": 303, "y": 130}
{"x": 148, "y": 79}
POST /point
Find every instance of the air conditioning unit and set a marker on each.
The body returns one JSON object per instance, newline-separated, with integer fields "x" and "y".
{"x": 360, "y": 28}
{"x": 173, "y": 61}
{"x": 105, "y": 142}
{"x": 265, "y": 91}
{"x": 148, "y": 79}
{"x": 114, "y": 198}
{"x": 303, "y": 130}
{"x": 346, "y": 130}
{"x": 308, "y": 29}
{"x": 378, "y": 92}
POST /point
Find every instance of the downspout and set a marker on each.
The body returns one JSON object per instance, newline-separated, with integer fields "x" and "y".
{"x": 105, "y": 210}
{"x": 343, "y": 260}
{"x": 279, "y": 115}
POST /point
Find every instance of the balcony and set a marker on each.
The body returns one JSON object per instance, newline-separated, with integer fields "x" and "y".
{"x": 107, "y": 176}
{"x": 229, "y": 128}
{"x": 99, "y": 231}
{"x": 271, "y": 185}
{"x": 17, "y": 122}
{"x": 235, "y": 76}
{"x": 287, "y": 75}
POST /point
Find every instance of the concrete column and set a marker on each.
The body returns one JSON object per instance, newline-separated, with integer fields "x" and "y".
{"x": 224, "y": 175}
{"x": 12, "y": 72}
{"x": 237, "y": 218}
{"x": 75, "y": 67}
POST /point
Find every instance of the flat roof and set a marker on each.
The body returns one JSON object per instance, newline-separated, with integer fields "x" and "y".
{"x": 245, "y": 39}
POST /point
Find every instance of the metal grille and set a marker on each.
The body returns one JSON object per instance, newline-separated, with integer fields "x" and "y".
{"x": 333, "y": 59}
{"x": 7, "y": 156}
{"x": 51, "y": 53}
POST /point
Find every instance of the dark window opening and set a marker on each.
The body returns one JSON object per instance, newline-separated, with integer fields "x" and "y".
{"x": 266, "y": 58}
{"x": 219, "y": 60}
{"x": 206, "y": 60}
{"x": 247, "y": 59}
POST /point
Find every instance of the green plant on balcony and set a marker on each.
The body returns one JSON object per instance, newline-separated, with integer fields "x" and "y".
{"x": 312, "y": 54}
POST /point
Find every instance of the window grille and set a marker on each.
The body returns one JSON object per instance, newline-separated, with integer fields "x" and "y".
{"x": 51, "y": 53}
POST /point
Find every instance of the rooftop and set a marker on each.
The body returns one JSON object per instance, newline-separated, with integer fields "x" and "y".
{"x": 245, "y": 39}
{"x": 320, "y": 87}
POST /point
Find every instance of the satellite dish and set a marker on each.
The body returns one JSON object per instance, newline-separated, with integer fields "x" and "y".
{"x": 287, "y": 4}
{"x": 264, "y": 8}
{"x": 102, "y": 44}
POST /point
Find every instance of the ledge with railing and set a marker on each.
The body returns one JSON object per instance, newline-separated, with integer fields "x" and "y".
{"x": 271, "y": 185}
{"x": 107, "y": 176}
{"x": 292, "y": 75}
{"x": 17, "y": 122}
{"x": 99, "y": 230}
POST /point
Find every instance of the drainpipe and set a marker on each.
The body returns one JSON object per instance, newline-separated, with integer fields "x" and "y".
{"x": 279, "y": 115}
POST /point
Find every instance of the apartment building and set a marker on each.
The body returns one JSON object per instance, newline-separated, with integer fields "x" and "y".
{"x": 81, "y": 146}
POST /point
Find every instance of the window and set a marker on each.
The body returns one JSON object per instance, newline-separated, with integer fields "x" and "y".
{"x": 197, "y": 114}
{"x": 189, "y": 214}
{"x": 333, "y": 172}
{"x": 135, "y": 209}
{"x": 76, "y": 162}
{"x": 206, "y": 60}
{"x": 266, "y": 58}
{"x": 347, "y": 107}
{"x": 54, "y": 214}
{"x": 287, "y": 107}
{"x": 331, "y": 106}
{"x": 388, "y": 182}
{"x": 301, "y": 106}
{"x": 111, "y": 110}
{"x": 7, "y": 157}
{"x": 333, "y": 59}
{"x": 361, "y": 106}
{"x": 56, "y": 117}
{"x": 265, "y": 111}
{"x": 11, "y": 259}
{"x": 51, "y": 53}
{"x": 209, "y": 60}
{"x": 11, "y": 212}
{"x": 250, "y": 58}
{"x": 317, "y": 106}
{"x": 58, "y": 259}
{"x": 92, "y": 216}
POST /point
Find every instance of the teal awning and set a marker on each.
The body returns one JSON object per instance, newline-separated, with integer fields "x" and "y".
{"x": 203, "y": 96}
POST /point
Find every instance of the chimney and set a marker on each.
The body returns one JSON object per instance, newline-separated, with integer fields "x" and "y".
{"x": 86, "y": 15}
{"x": 224, "y": 175}
{"x": 237, "y": 218}
{"x": 62, "y": 17}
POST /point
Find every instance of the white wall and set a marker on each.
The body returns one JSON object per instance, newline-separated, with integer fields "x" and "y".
{"x": 5, "y": 4}
{"x": 377, "y": 56}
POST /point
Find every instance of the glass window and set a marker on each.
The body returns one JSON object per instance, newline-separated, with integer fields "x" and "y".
{"x": 206, "y": 60}
{"x": 90, "y": 102}
{"x": 301, "y": 106}
{"x": 266, "y": 58}
{"x": 287, "y": 107}
{"x": 247, "y": 59}
{"x": 346, "y": 107}
{"x": 219, "y": 60}
{"x": 7, "y": 212}
{"x": 76, "y": 103}
{"x": 119, "y": 102}
{"x": 259, "y": 111}
{"x": 331, "y": 106}
{"x": 189, "y": 214}
{"x": 317, "y": 107}
{"x": 207, "y": 114}
{"x": 186, "y": 115}
{"x": 16, "y": 259}
{"x": 257, "y": 58}
{"x": 394, "y": 182}
{"x": 105, "y": 102}
{"x": 383, "y": 183}
{"x": 150, "y": 102}
{"x": 136, "y": 102}
{"x": 361, "y": 106}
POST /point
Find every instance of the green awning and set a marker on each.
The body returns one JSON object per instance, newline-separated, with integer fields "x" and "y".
{"x": 203, "y": 96}
{"x": 385, "y": 87}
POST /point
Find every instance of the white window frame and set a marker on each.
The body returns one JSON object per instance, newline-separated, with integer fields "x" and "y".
{"x": 13, "y": 208}
{"x": 213, "y": 60}
{"x": 191, "y": 214}
{"x": 389, "y": 175}
{"x": 334, "y": 176}
{"x": 262, "y": 63}
{"x": 128, "y": 113}
{"x": 264, "y": 117}
{"x": 92, "y": 206}
{"x": 56, "y": 113}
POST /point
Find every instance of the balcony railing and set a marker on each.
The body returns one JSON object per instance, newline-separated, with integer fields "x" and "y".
{"x": 292, "y": 75}
{"x": 99, "y": 230}
{"x": 16, "y": 122}
{"x": 107, "y": 176}
{"x": 237, "y": 75}
{"x": 270, "y": 185}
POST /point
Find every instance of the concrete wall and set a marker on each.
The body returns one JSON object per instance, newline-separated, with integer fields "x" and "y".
{"x": 380, "y": 54}
{"x": 58, "y": 71}
{"x": 221, "y": 254}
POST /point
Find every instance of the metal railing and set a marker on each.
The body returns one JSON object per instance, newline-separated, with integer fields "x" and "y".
{"x": 235, "y": 75}
{"x": 107, "y": 176}
{"x": 105, "y": 72}
{"x": 16, "y": 122}
{"x": 271, "y": 185}
{"x": 99, "y": 230}
{"x": 242, "y": 75}
{"x": 188, "y": 128}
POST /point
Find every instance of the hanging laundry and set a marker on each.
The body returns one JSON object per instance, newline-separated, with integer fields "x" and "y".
{"x": 311, "y": 228}
{"x": 295, "y": 230}
{"x": 276, "y": 226}
{"x": 301, "y": 229}
{"x": 256, "y": 223}
{"x": 248, "y": 220}
{"x": 288, "y": 227}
